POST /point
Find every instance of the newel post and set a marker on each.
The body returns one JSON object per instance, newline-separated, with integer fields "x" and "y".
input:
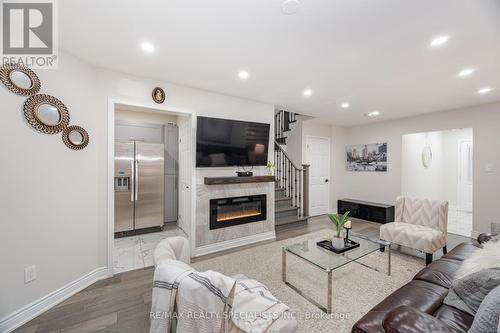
{"x": 305, "y": 189}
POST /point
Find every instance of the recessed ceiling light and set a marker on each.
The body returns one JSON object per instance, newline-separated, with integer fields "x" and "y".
{"x": 290, "y": 7}
{"x": 439, "y": 41}
{"x": 373, "y": 114}
{"x": 307, "y": 93}
{"x": 345, "y": 105}
{"x": 147, "y": 47}
{"x": 466, "y": 72}
{"x": 243, "y": 75}
{"x": 484, "y": 91}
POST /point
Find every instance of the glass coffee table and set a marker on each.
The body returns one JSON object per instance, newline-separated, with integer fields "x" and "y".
{"x": 327, "y": 261}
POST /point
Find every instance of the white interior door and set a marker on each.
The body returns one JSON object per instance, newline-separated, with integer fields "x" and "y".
{"x": 318, "y": 157}
{"x": 185, "y": 168}
{"x": 465, "y": 176}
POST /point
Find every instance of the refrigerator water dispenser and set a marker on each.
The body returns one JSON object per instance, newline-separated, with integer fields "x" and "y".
{"x": 122, "y": 184}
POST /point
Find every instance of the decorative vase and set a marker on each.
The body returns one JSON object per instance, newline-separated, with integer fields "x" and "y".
{"x": 338, "y": 242}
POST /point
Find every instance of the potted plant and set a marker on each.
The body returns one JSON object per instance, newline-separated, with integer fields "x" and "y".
{"x": 270, "y": 168}
{"x": 339, "y": 221}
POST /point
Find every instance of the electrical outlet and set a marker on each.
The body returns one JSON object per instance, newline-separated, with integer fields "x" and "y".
{"x": 29, "y": 274}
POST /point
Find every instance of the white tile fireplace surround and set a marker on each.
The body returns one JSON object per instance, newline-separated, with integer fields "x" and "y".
{"x": 209, "y": 241}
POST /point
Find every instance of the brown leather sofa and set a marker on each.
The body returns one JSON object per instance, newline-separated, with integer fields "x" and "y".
{"x": 418, "y": 307}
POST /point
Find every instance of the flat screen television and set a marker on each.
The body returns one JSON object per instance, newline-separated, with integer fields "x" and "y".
{"x": 224, "y": 142}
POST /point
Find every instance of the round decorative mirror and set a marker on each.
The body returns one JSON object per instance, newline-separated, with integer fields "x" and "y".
{"x": 427, "y": 156}
{"x": 75, "y": 137}
{"x": 20, "y": 79}
{"x": 46, "y": 114}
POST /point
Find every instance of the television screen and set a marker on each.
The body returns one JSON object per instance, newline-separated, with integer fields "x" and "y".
{"x": 223, "y": 142}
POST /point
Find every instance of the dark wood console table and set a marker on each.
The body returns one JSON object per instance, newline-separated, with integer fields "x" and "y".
{"x": 370, "y": 211}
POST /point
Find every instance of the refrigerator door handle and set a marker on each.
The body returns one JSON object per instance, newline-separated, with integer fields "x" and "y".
{"x": 132, "y": 181}
{"x": 136, "y": 185}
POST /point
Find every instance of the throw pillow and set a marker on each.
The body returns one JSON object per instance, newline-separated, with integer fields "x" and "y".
{"x": 452, "y": 299}
{"x": 468, "y": 292}
{"x": 488, "y": 314}
{"x": 486, "y": 257}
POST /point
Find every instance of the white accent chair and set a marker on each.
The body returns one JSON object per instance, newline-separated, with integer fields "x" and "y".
{"x": 177, "y": 248}
{"x": 420, "y": 224}
{"x": 172, "y": 248}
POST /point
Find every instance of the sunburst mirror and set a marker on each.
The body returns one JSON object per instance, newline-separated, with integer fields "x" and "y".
{"x": 75, "y": 137}
{"x": 46, "y": 114}
{"x": 20, "y": 79}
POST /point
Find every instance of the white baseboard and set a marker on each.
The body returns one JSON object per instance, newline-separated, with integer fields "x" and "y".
{"x": 230, "y": 244}
{"x": 34, "y": 309}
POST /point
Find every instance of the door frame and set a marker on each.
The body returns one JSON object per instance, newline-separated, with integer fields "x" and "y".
{"x": 459, "y": 173}
{"x": 112, "y": 103}
{"x": 329, "y": 167}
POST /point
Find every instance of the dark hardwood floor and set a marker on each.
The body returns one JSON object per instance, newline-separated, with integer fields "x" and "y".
{"x": 121, "y": 304}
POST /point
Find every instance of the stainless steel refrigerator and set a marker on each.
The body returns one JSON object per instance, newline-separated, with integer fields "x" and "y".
{"x": 139, "y": 185}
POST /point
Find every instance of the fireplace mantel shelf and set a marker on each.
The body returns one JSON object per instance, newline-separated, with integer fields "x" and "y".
{"x": 237, "y": 180}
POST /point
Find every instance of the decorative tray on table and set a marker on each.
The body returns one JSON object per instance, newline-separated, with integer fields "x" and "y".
{"x": 348, "y": 245}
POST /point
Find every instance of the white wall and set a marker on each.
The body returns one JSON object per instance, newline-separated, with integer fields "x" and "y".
{"x": 294, "y": 141}
{"x": 53, "y": 199}
{"x": 416, "y": 180}
{"x": 440, "y": 180}
{"x": 385, "y": 186}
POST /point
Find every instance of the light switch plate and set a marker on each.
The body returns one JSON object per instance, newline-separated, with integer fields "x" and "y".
{"x": 29, "y": 274}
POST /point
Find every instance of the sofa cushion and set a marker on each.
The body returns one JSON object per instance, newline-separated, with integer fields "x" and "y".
{"x": 414, "y": 236}
{"x": 461, "y": 251}
{"x": 406, "y": 319}
{"x": 458, "y": 320}
{"x": 440, "y": 272}
{"x": 424, "y": 296}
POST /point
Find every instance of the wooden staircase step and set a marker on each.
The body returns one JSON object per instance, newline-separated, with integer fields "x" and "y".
{"x": 290, "y": 219}
{"x": 281, "y": 140}
{"x": 283, "y": 203}
{"x": 280, "y": 195}
{"x": 279, "y": 210}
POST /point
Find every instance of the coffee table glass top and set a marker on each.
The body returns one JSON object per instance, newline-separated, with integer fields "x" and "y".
{"x": 328, "y": 260}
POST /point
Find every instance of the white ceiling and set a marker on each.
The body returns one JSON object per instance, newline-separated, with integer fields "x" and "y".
{"x": 373, "y": 54}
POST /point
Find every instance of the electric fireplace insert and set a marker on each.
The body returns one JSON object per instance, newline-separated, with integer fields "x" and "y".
{"x": 228, "y": 212}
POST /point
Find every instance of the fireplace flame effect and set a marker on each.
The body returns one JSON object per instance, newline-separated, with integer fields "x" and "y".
{"x": 236, "y": 215}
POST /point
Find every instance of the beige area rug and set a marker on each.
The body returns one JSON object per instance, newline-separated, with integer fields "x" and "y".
{"x": 356, "y": 289}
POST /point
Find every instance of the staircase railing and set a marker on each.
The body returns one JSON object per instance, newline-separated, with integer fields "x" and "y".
{"x": 293, "y": 180}
{"x": 282, "y": 121}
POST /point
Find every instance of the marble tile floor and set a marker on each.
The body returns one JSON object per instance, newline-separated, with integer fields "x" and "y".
{"x": 459, "y": 222}
{"x": 136, "y": 252}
